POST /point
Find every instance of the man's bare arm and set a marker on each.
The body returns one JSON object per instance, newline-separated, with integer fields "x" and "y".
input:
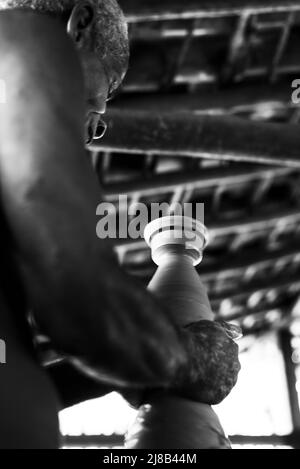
{"x": 90, "y": 309}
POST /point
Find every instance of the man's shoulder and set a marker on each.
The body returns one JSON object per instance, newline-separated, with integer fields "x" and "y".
{"x": 25, "y": 26}
{"x": 34, "y": 43}
{"x": 21, "y": 17}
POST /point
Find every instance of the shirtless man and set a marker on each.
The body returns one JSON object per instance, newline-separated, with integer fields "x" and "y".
{"x": 60, "y": 61}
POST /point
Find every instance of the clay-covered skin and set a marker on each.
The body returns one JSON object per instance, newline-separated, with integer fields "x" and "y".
{"x": 213, "y": 365}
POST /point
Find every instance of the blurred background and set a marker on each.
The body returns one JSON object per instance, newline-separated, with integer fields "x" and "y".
{"x": 221, "y": 73}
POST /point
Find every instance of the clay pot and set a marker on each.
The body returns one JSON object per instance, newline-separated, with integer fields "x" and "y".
{"x": 167, "y": 421}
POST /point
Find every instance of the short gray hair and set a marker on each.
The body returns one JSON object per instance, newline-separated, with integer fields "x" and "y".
{"x": 110, "y": 37}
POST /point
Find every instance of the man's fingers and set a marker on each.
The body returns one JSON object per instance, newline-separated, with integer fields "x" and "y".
{"x": 233, "y": 331}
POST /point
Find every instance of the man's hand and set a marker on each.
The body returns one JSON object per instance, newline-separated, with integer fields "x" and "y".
{"x": 211, "y": 370}
{"x": 213, "y": 364}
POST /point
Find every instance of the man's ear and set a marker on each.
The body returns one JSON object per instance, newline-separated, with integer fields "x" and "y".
{"x": 81, "y": 21}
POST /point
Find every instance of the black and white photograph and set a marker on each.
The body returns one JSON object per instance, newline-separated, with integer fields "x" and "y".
{"x": 150, "y": 227}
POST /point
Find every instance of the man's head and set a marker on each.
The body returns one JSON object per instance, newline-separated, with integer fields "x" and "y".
{"x": 99, "y": 31}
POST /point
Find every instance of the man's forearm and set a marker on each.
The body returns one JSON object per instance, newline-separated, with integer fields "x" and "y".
{"x": 75, "y": 387}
